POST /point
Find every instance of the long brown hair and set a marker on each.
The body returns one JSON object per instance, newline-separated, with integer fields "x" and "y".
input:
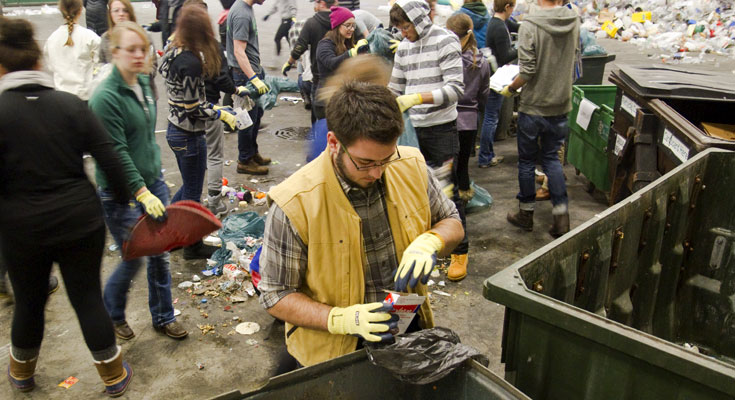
{"x": 194, "y": 33}
{"x": 18, "y": 50}
{"x": 461, "y": 25}
{"x": 128, "y": 8}
{"x": 342, "y": 43}
{"x": 70, "y": 9}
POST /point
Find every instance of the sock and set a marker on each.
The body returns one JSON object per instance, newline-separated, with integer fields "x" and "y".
{"x": 106, "y": 355}
{"x": 527, "y": 206}
{"x": 24, "y": 355}
{"x": 560, "y": 209}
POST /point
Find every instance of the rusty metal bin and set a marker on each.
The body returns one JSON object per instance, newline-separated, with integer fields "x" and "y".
{"x": 636, "y": 303}
{"x": 658, "y": 110}
{"x": 353, "y": 377}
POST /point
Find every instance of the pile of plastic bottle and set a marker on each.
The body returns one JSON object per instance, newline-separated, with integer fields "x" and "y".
{"x": 688, "y": 27}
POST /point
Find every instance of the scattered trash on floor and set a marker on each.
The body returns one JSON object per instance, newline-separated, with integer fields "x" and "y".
{"x": 200, "y": 365}
{"x": 228, "y": 163}
{"x": 170, "y": 184}
{"x": 247, "y": 328}
{"x": 177, "y": 312}
{"x": 442, "y": 293}
{"x": 68, "y": 382}
{"x": 195, "y": 278}
{"x": 113, "y": 247}
{"x": 251, "y": 342}
{"x": 185, "y": 285}
{"x": 292, "y": 99}
{"x": 206, "y": 328}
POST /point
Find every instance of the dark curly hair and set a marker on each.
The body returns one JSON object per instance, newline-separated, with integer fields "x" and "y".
{"x": 18, "y": 50}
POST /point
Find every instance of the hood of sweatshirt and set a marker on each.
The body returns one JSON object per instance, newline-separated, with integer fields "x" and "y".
{"x": 418, "y": 12}
{"x": 478, "y": 12}
{"x": 556, "y": 21}
{"x": 323, "y": 18}
{"x": 12, "y": 80}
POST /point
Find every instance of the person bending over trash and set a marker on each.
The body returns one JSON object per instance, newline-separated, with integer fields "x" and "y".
{"x": 364, "y": 216}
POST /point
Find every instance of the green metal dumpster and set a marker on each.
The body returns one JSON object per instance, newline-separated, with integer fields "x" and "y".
{"x": 353, "y": 377}
{"x": 636, "y": 303}
{"x": 587, "y": 149}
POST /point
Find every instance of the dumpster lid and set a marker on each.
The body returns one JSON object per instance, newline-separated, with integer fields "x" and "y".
{"x": 654, "y": 81}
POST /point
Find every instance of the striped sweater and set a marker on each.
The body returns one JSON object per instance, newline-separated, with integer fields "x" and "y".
{"x": 433, "y": 64}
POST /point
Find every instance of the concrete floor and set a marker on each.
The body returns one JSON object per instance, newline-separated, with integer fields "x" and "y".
{"x": 165, "y": 368}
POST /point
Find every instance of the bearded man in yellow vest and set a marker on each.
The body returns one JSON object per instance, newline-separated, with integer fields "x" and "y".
{"x": 338, "y": 227}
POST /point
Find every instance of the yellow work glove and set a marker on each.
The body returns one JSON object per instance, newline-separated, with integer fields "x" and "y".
{"x": 418, "y": 260}
{"x": 227, "y": 118}
{"x": 394, "y": 45}
{"x": 286, "y": 67}
{"x": 407, "y": 101}
{"x": 152, "y": 205}
{"x": 262, "y": 87}
{"x": 360, "y": 47}
{"x": 371, "y": 322}
{"x": 242, "y": 91}
{"x": 507, "y": 92}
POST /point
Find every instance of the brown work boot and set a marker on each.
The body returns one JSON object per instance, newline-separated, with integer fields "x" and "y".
{"x": 116, "y": 374}
{"x": 457, "y": 268}
{"x": 123, "y": 330}
{"x": 251, "y": 167}
{"x": 542, "y": 194}
{"x": 173, "y": 330}
{"x": 20, "y": 373}
{"x": 522, "y": 219}
{"x": 260, "y": 160}
{"x": 560, "y": 226}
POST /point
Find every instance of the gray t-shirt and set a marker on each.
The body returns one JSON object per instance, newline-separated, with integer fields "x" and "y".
{"x": 241, "y": 25}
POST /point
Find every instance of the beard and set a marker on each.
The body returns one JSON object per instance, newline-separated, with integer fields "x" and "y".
{"x": 341, "y": 170}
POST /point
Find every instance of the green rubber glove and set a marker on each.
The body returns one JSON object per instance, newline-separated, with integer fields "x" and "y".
{"x": 418, "y": 260}
{"x": 262, "y": 87}
{"x": 287, "y": 66}
{"x": 227, "y": 118}
{"x": 407, "y": 101}
{"x": 371, "y": 322}
{"x": 394, "y": 45}
{"x": 360, "y": 47}
{"x": 152, "y": 205}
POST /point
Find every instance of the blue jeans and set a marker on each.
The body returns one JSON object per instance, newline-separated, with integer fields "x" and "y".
{"x": 120, "y": 218}
{"x": 247, "y": 145}
{"x": 190, "y": 150}
{"x": 489, "y": 126}
{"x": 438, "y": 144}
{"x": 549, "y": 133}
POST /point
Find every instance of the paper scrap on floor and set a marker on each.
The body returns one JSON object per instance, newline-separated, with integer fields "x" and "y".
{"x": 504, "y": 76}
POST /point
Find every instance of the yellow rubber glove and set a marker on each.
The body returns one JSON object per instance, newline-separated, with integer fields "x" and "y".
{"x": 507, "y": 92}
{"x": 152, "y": 205}
{"x": 241, "y": 91}
{"x": 360, "y": 47}
{"x": 370, "y": 322}
{"x": 407, "y": 101}
{"x": 262, "y": 87}
{"x": 418, "y": 260}
{"x": 286, "y": 67}
{"x": 227, "y": 118}
{"x": 394, "y": 45}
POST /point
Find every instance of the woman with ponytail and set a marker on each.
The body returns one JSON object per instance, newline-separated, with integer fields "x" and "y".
{"x": 476, "y": 72}
{"x": 72, "y": 52}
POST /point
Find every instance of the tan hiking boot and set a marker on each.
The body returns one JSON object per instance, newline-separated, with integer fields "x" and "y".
{"x": 251, "y": 167}
{"x": 116, "y": 374}
{"x": 20, "y": 373}
{"x": 542, "y": 194}
{"x": 458, "y": 267}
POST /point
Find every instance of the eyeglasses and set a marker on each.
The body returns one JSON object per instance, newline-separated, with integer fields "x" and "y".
{"x": 405, "y": 27}
{"x": 349, "y": 26}
{"x": 377, "y": 164}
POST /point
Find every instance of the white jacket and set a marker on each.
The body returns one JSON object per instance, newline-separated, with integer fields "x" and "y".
{"x": 73, "y": 66}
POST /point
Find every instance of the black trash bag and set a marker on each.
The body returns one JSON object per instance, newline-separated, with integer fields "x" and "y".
{"x": 423, "y": 357}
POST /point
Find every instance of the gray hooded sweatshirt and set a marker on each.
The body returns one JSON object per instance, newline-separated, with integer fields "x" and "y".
{"x": 433, "y": 64}
{"x": 547, "y": 45}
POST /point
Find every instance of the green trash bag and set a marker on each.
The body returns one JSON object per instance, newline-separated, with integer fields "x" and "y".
{"x": 237, "y": 226}
{"x": 276, "y": 85}
{"x": 482, "y": 200}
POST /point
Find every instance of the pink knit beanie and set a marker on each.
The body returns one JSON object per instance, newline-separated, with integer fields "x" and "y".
{"x": 339, "y": 15}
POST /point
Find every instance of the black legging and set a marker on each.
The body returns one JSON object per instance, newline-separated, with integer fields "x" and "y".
{"x": 282, "y": 32}
{"x": 29, "y": 266}
{"x": 466, "y": 144}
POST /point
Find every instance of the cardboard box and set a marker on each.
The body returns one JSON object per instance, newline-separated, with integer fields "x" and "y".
{"x": 722, "y": 131}
{"x": 406, "y": 306}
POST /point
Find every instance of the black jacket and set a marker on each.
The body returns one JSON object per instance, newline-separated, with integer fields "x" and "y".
{"x": 497, "y": 38}
{"x": 221, "y": 83}
{"x": 45, "y": 194}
